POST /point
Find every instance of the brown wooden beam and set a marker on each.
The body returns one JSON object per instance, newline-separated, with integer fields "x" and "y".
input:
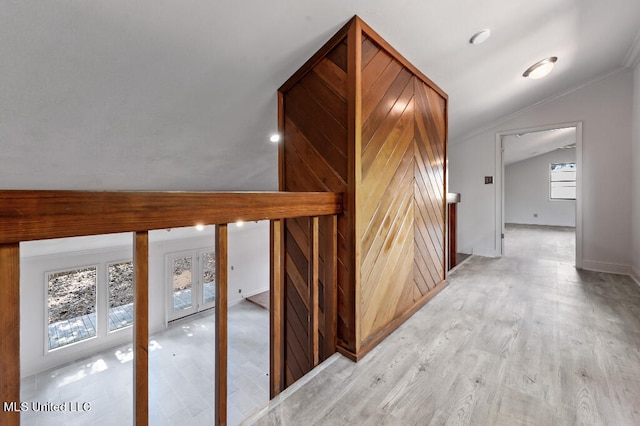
{"x": 141, "y": 328}
{"x": 314, "y": 307}
{"x": 10, "y": 333}
{"x": 35, "y": 215}
{"x": 452, "y": 235}
{"x": 329, "y": 248}
{"x": 221, "y": 339}
{"x": 276, "y": 309}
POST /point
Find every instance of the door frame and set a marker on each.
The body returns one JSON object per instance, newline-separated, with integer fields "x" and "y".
{"x": 499, "y": 184}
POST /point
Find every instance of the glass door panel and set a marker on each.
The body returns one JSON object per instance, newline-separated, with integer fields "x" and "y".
{"x": 208, "y": 278}
{"x": 182, "y": 297}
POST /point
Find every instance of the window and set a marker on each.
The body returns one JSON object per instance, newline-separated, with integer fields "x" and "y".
{"x": 562, "y": 178}
{"x": 71, "y": 306}
{"x": 120, "y": 277}
{"x": 209, "y": 277}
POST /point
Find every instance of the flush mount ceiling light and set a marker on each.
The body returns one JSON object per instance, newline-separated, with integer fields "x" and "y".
{"x": 480, "y": 36}
{"x": 540, "y": 69}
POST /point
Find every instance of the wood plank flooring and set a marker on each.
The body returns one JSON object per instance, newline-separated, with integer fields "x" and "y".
{"x": 511, "y": 341}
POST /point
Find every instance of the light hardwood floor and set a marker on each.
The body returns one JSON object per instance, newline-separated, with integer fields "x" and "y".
{"x": 510, "y": 341}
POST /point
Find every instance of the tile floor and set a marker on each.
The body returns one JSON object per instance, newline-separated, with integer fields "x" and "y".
{"x": 181, "y": 375}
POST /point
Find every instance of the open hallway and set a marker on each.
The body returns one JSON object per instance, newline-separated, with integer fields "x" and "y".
{"x": 510, "y": 341}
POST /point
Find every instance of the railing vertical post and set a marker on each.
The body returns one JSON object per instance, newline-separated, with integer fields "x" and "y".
{"x": 10, "y": 333}
{"x": 313, "y": 292}
{"x": 329, "y": 249}
{"x": 221, "y": 253}
{"x": 276, "y": 317}
{"x": 141, "y": 328}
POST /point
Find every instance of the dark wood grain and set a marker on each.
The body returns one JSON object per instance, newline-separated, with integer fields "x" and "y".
{"x": 141, "y": 327}
{"x": 390, "y": 237}
{"x": 328, "y": 251}
{"x": 33, "y": 215}
{"x": 221, "y": 316}
{"x": 276, "y": 293}
{"x": 317, "y": 57}
{"x": 10, "y": 331}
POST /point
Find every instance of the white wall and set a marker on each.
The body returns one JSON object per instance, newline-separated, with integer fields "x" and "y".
{"x": 526, "y": 191}
{"x": 636, "y": 174}
{"x": 604, "y": 107}
{"x": 248, "y": 271}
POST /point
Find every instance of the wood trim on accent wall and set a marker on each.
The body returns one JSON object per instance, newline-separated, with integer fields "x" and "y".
{"x": 319, "y": 55}
{"x": 354, "y": 143}
{"x": 396, "y": 55}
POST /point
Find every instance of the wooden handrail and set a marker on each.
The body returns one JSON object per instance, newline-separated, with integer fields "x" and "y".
{"x": 37, "y": 215}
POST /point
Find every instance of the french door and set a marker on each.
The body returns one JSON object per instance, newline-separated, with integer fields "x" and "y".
{"x": 190, "y": 282}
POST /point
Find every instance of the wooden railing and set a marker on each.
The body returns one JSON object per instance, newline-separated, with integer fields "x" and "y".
{"x": 36, "y": 215}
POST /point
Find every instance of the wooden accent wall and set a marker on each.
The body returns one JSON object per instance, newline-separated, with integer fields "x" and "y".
{"x": 358, "y": 118}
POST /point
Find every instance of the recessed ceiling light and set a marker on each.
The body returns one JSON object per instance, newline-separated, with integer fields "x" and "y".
{"x": 275, "y": 138}
{"x": 480, "y": 36}
{"x": 540, "y": 69}
{"x": 199, "y": 227}
{"x": 239, "y": 224}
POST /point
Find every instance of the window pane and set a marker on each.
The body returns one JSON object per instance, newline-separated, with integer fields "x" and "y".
{"x": 563, "y": 181}
{"x": 209, "y": 277}
{"x": 563, "y": 190}
{"x": 120, "y": 295}
{"x": 182, "y": 273}
{"x": 71, "y": 306}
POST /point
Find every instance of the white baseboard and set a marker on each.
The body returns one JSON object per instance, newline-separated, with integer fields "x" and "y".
{"x": 610, "y": 268}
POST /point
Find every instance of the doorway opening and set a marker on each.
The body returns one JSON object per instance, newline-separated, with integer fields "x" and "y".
{"x": 538, "y": 188}
{"x": 191, "y": 282}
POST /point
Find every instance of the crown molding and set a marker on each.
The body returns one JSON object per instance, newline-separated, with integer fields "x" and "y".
{"x": 491, "y": 125}
{"x": 632, "y": 59}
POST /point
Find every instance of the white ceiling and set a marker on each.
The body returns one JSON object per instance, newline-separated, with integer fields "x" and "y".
{"x": 519, "y": 147}
{"x": 181, "y": 95}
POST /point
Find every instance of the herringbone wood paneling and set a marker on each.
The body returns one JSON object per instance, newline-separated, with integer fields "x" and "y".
{"x": 359, "y": 119}
{"x": 402, "y": 246}
{"x": 315, "y": 159}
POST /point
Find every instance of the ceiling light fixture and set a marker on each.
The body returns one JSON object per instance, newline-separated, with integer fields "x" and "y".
{"x": 480, "y": 36}
{"x": 199, "y": 227}
{"x": 239, "y": 224}
{"x": 275, "y": 138}
{"x": 540, "y": 69}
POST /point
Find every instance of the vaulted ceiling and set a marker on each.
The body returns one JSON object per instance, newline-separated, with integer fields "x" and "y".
{"x": 170, "y": 95}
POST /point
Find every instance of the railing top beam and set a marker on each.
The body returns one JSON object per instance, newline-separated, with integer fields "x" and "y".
{"x": 37, "y": 215}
